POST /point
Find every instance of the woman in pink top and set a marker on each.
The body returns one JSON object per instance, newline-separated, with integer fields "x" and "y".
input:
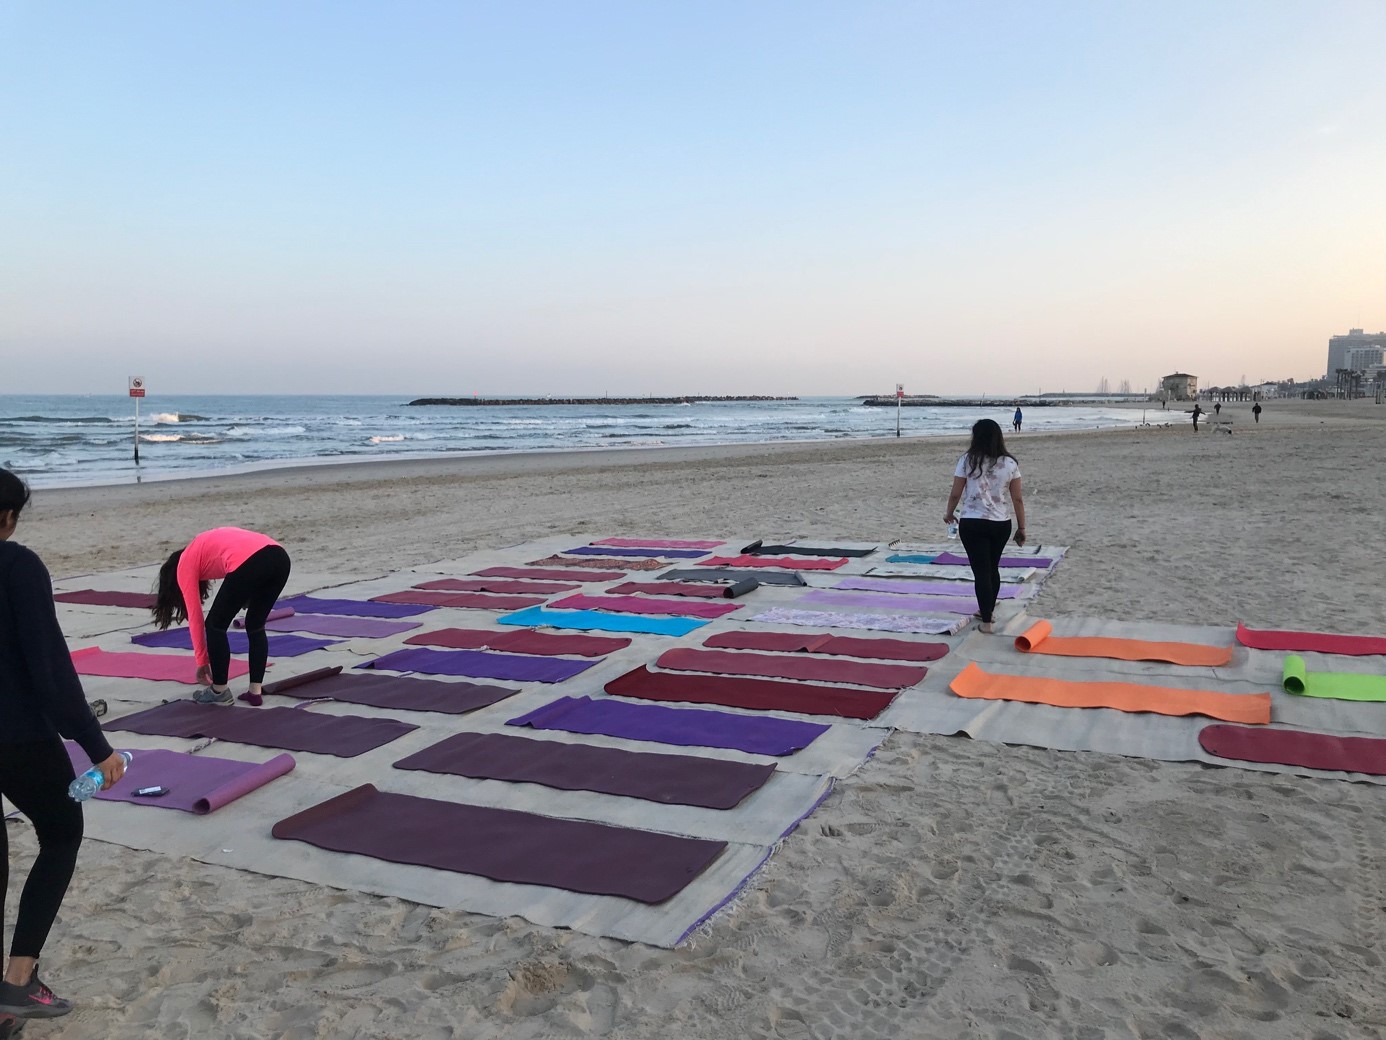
{"x": 256, "y": 568}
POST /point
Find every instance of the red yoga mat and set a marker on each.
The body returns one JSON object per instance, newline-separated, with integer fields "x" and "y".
{"x": 92, "y": 660}
{"x": 1288, "y": 747}
{"x": 720, "y": 662}
{"x": 95, "y": 598}
{"x": 668, "y": 588}
{"x": 474, "y": 600}
{"x": 1319, "y": 642}
{"x": 756, "y": 694}
{"x": 502, "y": 585}
{"x": 525, "y": 641}
{"x": 843, "y": 646}
{"x": 789, "y": 563}
{"x": 645, "y": 605}
{"x": 548, "y": 574}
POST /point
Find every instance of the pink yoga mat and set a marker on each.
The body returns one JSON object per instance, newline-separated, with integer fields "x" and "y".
{"x": 95, "y": 598}
{"x": 1288, "y": 747}
{"x": 658, "y": 543}
{"x": 181, "y": 668}
{"x": 645, "y": 605}
{"x": 791, "y": 563}
{"x": 815, "y": 669}
{"x": 844, "y": 646}
{"x": 523, "y": 642}
{"x": 471, "y": 600}
{"x": 198, "y": 784}
{"x": 549, "y": 574}
{"x": 508, "y": 586}
{"x": 1319, "y": 642}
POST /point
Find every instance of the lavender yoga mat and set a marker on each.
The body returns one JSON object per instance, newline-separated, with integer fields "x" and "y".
{"x": 391, "y": 691}
{"x": 949, "y": 559}
{"x": 920, "y": 588}
{"x": 503, "y": 844}
{"x": 645, "y": 605}
{"x": 836, "y": 600}
{"x": 353, "y": 607}
{"x": 481, "y": 664}
{"x": 197, "y": 784}
{"x": 612, "y": 550}
{"x": 670, "y": 779}
{"x": 684, "y": 727}
{"x": 292, "y": 729}
{"x": 279, "y": 645}
{"x": 342, "y": 625}
{"x": 95, "y": 598}
{"x": 782, "y": 666}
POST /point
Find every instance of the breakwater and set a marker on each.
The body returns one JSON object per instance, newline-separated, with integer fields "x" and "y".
{"x": 885, "y": 401}
{"x": 513, "y": 401}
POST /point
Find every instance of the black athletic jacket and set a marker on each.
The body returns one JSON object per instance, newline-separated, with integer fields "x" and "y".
{"x": 41, "y": 697}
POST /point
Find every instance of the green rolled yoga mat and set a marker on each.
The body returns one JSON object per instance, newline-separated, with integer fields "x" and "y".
{"x": 1339, "y": 686}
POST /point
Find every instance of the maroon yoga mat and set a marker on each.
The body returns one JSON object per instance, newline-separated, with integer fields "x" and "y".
{"x": 95, "y": 598}
{"x": 475, "y": 600}
{"x": 1288, "y": 747}
{"x": 668, "y": 588}
{"x": 503, "y": 844}
{"x": 519, "y": 588}
{"x": 379, "y": 690}
{"x": 722, "y": 662}
{"x": 757, "y": 694}
{"x": 671, "y": 779}
{"x": 597, "y": 562}
{"x": 644, "y": 605}
{"x": 291, "y": 729}
{"x": 525, "y": 641}
{"x": 844, "y": 646}
{"x": 543, "y": 574}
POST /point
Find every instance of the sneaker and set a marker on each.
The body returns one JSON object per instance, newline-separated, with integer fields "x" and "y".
{"x": 32, "y": 1001}
{"x": 209, "y": 695}
{"x": 253, "y": 699}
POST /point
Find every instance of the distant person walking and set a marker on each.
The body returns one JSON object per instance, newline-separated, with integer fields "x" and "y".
{"x": 1217, "y": 408}
{"x": 256, "y": 568}
{"x": 1256, "y": 411}
{"x": 1016, "y": 419}
{"x": 986, "y": 477}
{"x": 1197, "y": 411}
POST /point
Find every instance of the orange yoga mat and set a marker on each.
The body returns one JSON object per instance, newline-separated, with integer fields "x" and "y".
{"x": 1253, "y": 708}
{"x": 1038, "y": 639}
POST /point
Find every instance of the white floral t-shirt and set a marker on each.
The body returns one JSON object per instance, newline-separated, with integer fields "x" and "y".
{"x": 987, "y": 495}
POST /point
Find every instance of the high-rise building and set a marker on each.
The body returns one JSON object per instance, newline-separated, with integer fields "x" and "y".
{"x": 1342, "y": 350}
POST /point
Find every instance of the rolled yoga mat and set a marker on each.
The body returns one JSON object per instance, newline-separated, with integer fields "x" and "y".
{"x": 481, "y": 664}
{"x": 181, "y": 668}
{"x": 502, "y": 585}
{"x": 755, "y": 694}
{"x": 611, "y": 550}
{"x": 592, "y": 563}
{"x": 541, "y": 574}
{"x": 503, "y": 844}
{"x": 682, "y": 727}
{"x": 291, "y": 729}
{"x": 524, "y": 642}
{"x": 197, "y": 784}
{"x": 1314, "y": 642}
{"x": 660, "y": 543}
{"x": 924, "y": 624}
{"x": 839, "y": 600}
{"x": 1253, "y": 708}
{"x": 734, "y": 574}
{"x": 467, "y": 600}
{"x": 95, "y": 598}
{"x": 668, "y": 779}
{"x": 1338, "y": 686}
{"x": 645, "y": 605}
{"x": 1038, "y": 639}
{"x": 787, "y": 562}
{"x": 740, "y": 588}
{"x": 342, "y": 625}
{"x": 595, "y": 620}
{"x": 355, "y": 608}
{"x": 905, "y": 587}
{"x": 761, "y": 549}
{"x": 279, "y": 645}
{"x": 1289, "y": 747}
{"x": 777, "y": 666}
{"x": 845, "y": 646}
{"x": 395, "y": 692}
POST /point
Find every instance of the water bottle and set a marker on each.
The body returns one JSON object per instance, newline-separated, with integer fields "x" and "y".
{"x": 90, "y": 782}
{"x": 953, "y": 529}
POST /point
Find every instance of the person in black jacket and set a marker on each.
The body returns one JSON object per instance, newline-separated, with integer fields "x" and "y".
{"x": 41, "y": 701}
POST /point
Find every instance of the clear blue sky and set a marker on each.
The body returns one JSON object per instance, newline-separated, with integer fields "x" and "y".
{"x": 656, "y": 197}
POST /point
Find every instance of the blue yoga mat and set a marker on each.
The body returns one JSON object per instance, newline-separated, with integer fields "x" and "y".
{"x": 279, "y": 645}
{"x": 913, "y": 558}
{"x": 595, "y": 620}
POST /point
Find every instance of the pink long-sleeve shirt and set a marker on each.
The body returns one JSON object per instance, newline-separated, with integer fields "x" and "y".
{"x": 212, "y": 554}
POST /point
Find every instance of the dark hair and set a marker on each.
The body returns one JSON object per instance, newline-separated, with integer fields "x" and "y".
{"x": 987, "y": 446}
{"x": 168, "y": 597}
{"x": 14, "y": 493}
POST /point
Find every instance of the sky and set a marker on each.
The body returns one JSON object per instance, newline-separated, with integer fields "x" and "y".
{"x": 665, "y": 198}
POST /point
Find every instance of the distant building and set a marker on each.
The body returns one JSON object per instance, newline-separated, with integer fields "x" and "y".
{"x": 1341, "y": 347}
{"x": 1180, "y": 386}
{"x": 1359, "y": 359}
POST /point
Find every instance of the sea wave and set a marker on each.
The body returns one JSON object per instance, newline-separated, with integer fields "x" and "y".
{"x": 186, "y": 438}
{"x": 387, "y": 438}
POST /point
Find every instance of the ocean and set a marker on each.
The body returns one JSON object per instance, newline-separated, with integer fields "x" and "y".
{"x": 75, "y": 440}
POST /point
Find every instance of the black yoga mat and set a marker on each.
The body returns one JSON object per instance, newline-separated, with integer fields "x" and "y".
{"x": 671, "y": 779}
{"x": 761, "y": 549}
{"x": 734, "y": 574}
{"x": 292, "y": 729}
{"x": 503, "y": 844}
{"x": 393, "y": 691}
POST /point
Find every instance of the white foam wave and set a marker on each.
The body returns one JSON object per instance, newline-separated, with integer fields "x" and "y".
{"x": 390, "y": 439}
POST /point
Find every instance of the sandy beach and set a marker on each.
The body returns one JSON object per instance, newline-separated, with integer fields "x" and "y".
{"x": 950, "y": 888}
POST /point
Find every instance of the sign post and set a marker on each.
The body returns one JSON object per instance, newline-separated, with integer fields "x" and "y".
{"x": 899, "y": 403}
{"x": 137, "y": 391}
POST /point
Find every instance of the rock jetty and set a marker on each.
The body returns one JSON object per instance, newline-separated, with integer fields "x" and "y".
{"x": 926, "y": 400}
{"x": 692, "y": 399}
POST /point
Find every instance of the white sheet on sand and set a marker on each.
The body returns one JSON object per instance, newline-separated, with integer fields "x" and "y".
{"x": 907, "y": 623}
{"x": 945, "y": 572}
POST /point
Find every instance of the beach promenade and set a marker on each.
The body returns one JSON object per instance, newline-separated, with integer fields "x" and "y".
{"x": 951, "y": 888}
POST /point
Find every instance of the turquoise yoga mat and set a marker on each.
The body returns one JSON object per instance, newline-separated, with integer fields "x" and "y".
{"x": 595, "y": 620}
{"x": 1340, "y": 686}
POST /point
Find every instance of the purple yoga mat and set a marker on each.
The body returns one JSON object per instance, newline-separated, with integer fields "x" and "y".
{"x": 686, "y": 727}
{"x": 955, "y": 560}
{"x": 277, "y": 614}
{"x": 343, "y": 625}
{"x": 481, "y": 664}
{"x": 353, "y": 607}
{"x": 670, "y": 779}
{"x": 393, "y": 691}
{"x": 292, "y": 729}
{"x": 196, "y": 783}
{"x": 279, "y": 645}
{"x": 835, "y": 600}
{"x": 503, "y": 844}
{"x": 920, "y": 588}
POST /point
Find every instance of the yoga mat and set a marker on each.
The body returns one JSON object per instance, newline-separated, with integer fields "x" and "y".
{"x": 468, "y": 600}
{"x": 645, "y": 605}
{"x": 503, "y": 844}
{"x": 659, "y": 543}
{"x": 669, "y": 779}
{"x": 667, "y": 588}
{"x": 501, "y": 585}
{"x": 1338, "y": 686}
{"x": 541, "y": 574}
{"x": 1251, "y": 708}
{"x": 885, "y": 601}
{"x": 1318, "y": 642}
{"x": 1038, "y": 639}
{"x": 609, "y": 550}
{"x": 277, "y": 614}
{"x": 181, "y": 668}
{"x": 921, "y": 623}
{"x": 902, "y": 587}
{"x": 95, "y": 598}
{"x": 391, "y": 691}
{"x": 915, "y": 558}
{"x": 279, "y": 645}
{"x": 740, "y": 588}
{"x": 595, "y": 620}
{"x": 734, "y": 574}
{"x": 342, "y": 625}
{"x": 846, "y": 646}
{"x": 930, "y": 572}
{"x": 760, "y": 549}
{"x": 755, "y": 694}
{"x": 197, "y": 784}
{"x": 520, "y": 642}
{"x": 355, "y": 608}
{"x": 815, "y": 669}
{"x": 292, "y": 729}
{"x": 786, "y": 562}
{"x": 949, "y": 559}
{"x": 592, "y": 564}
{"x": 1288, "y": 747}
{"x": 683, "y": 727}
{"x": 481, "y": 665}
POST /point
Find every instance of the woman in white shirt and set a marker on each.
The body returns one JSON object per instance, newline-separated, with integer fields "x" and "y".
{"x": 985, "y": 478}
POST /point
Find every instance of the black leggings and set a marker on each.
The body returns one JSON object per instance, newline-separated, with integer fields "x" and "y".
{"x": 254, "y": 585}
{"x": 34, "y": 775}
{"x": 985, "y": 542}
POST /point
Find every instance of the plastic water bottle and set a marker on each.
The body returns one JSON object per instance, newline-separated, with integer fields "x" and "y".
{"x": 90, "y": 782}
{"x": 953, "y": 529}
